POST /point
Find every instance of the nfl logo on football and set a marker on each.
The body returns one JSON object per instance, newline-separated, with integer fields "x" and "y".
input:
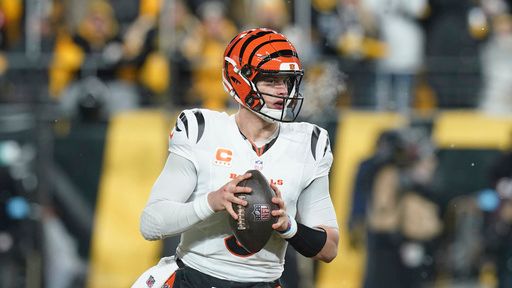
{"x": 261, "y": 212}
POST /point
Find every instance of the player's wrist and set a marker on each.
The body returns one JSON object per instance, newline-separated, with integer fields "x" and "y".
{"x": 203, "y": 208}
{"x": 290, "y": 231}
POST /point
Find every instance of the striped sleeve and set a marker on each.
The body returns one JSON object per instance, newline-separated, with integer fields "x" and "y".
{"x": 320, "y": 148}
{"x": 187, "y": 133}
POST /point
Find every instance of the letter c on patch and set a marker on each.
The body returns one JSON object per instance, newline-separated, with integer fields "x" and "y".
{"x": 224, "y": 155}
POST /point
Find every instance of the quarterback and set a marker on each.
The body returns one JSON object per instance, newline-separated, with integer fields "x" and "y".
{"x": 209, "y": 153}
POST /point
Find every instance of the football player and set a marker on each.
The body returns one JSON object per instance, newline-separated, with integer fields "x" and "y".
{"x": 209, "y": 153}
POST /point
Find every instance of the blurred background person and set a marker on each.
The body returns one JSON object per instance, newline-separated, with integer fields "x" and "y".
{"x": 405, "y": 53}
{"x": 387, "y": 145}
{"x": 143, "y": 63}
{"x": 216, "y": 31}
{"x": 496, "y": 56}
{"x": 383, "y": 239}
{"x": 97, "y": 36}
{"x": 349, "y": 31}
{"x": 180, "y": 32}
{"x": 454, "y": 31}
{"x": 393, "y": 203}
{"x": 99, "y": 71}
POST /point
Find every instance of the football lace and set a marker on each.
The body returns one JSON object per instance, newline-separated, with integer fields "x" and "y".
{"x": 241, "y": 224}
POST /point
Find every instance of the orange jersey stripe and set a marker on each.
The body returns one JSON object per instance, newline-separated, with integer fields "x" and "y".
{"x": 170, "y": 282}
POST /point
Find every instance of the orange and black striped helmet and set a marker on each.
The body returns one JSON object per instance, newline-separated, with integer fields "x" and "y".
{"x": 258, "y": 53}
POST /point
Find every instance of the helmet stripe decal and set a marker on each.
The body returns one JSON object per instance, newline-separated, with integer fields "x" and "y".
{"x": 240, "y": 39}
{"x": 314, "y": 140}
{"x": 232, "y": 47}
{"x": 236, "y": 42}
{"x": 200, "y": 124}
{"x": 249, "y": 40}
{"x": 277, "y": 54}
{"x": 261, "y": 45}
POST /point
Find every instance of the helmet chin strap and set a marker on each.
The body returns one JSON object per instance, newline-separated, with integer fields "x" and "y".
{"x": 274, "y": 113}
{"x": 267, "y": 111}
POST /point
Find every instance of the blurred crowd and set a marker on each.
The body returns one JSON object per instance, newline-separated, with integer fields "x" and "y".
{"x": 93, "y": 59}
{"x": 398, "y": 55}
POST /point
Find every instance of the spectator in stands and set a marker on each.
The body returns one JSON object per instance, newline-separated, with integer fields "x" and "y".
{"x": 271, "y": 13}
{"x": 127, "y": 67}
{"x": 216, "y": 31}
{"x": 452, "y": 48}
{"x": 179, "y": 39}
{"x": 349, "y": 30}
{"x": 497, "y": 69}
{"x": 94, "y": 50}
{"x": 397, "y": 70}
{"x": 31, "y": 33}
{"x": 274, "y": 14}
{"x": 11, "y": 16}
{"x": 142, "y": 55}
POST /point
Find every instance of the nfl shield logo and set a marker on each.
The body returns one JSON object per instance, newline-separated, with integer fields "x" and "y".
{"x": 258, "y": 164}
{"x": 150, "y": 281}
{"x": 261, "y": 212}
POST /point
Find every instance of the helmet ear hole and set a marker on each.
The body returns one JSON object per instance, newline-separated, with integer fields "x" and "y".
{"x": 246, "y": 71}
{"x": 254, "y": 101}
{"x": 249, "y": 100}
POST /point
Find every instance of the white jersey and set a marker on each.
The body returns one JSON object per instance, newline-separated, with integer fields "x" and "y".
{"x": 213, "y": 143}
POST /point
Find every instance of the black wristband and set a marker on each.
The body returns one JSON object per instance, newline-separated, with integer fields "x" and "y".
{"x": 308, "y": 241}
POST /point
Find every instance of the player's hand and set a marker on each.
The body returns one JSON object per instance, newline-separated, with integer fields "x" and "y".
{"x": 283, "y": 220}
{"x": 224, "y": 197}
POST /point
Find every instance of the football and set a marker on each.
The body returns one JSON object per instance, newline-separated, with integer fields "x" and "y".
{"x": 254, "y": 225}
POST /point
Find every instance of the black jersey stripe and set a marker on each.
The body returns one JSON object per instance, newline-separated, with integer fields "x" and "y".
{"x": 314, "y": 140}
{"x": 261, "y": 45}
{"x": 271, "y": 143}
{"x": 176, "y": 125}
{"x": 327, "y": 144}
{"x": 286, "y": 53}
{"x": 183, "y": 119}
{"x": 265, "y": 147}
{"x": 200, "y": 124}
{"x": 249, "y": 40}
